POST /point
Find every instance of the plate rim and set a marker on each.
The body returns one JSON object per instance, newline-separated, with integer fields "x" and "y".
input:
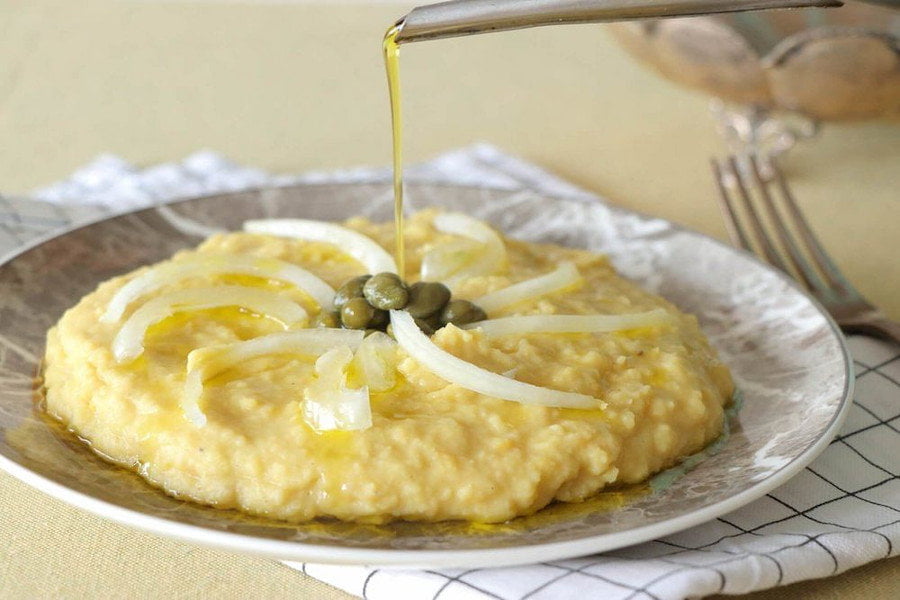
{"x": 425, "y": 558}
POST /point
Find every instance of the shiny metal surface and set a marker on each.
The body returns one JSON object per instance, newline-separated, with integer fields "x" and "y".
{"x": 797, "y": 250}
{"x": 467, "y": 17}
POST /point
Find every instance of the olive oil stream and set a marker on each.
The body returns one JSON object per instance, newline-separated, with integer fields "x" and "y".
{"x": 392, "y": 66}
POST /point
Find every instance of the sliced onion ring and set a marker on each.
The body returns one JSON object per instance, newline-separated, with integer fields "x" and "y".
{"x": 173, "y": 272}
{"x": 328, "y": 403}
{"x": 212, "y": 360}
{"x": 207, "y": 362}
{"x": 565, "y": 275}
{"x": 472, "y": 377}
{"x": 376, "y": 361}
{"x": 570, "y": 323}
{"x": 362, "y": 248}
{"x": 445, "y": 260}
{"x": 129, "y": 341}
{"x": 490, "y": 259}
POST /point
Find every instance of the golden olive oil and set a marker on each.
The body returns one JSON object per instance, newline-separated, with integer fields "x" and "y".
{"x": 392, "y": 66}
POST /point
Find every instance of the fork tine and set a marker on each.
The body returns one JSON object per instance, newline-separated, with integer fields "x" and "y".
{"x": 759, "y": 232}
{"x": 732, "y": 224}
{"x": 833, "y": 275}
{"x": 802, "y": 267}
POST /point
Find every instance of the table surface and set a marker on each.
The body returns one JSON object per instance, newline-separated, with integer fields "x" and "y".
{"x": 295, "y": 86}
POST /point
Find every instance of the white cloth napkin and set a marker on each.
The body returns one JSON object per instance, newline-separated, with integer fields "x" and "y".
{"x": 841, "y": 512}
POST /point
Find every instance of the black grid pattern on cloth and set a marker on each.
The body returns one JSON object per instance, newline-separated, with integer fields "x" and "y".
{"x": 841, "y": 512}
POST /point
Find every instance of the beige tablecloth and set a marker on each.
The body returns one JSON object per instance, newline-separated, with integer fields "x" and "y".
{"x": 299, "y": 86}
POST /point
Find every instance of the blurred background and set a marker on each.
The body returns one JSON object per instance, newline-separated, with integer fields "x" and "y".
{"x": 295, "y": 85}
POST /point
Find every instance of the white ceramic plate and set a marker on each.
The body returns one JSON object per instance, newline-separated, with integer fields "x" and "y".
{"x": 786, "y": 354}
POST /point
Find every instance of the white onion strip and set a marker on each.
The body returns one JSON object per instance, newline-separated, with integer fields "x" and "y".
{"x": 445, "y": 260}
{"x": 376, "y": 361}
{"x": 570, "y": 323}
{"x": 472, "y": 377}
{"x": 565, "y": 275}
{"x": 173, "y": 272}
{"x": 490, "y": 258}
{"x": 207, "y": 362}
{"x": 328, "y": 403}
{"x": 362, "y": 248}
{"x": 129, "y": 341}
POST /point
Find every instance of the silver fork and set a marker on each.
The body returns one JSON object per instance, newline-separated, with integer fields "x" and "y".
{"x": 794, "y": 248}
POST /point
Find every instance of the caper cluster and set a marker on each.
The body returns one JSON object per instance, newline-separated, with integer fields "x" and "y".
{"x": 363, "y": 303}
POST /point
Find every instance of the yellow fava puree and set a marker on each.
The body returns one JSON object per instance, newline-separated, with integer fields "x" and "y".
{"x": 435, "y": 451}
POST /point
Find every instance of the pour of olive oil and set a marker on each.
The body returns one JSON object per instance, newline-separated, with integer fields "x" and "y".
{"x": 392, "y": 66}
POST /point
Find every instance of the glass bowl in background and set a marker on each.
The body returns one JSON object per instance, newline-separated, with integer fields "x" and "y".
{"x": 777, "y": 75}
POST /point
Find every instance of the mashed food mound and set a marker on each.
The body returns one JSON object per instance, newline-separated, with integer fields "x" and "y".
{"x": 435, "y": 450}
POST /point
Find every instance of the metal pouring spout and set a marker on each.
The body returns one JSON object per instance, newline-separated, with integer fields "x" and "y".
{"x": 468, "y": 17}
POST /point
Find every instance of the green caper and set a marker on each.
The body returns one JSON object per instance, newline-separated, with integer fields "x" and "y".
{"x": 424, "y": 326}
{"x": 386, "y": 291}
{"x": 357, "y": 313}
{"x": 380, "y": 319}
{"x": 462, "y": 312}
{"x": 389, "y": 330}
{"x": 434, "y": 321}
{"x": 352, "y": 288}
{"x": 327, "y": 318}
{"x": 427, "y": 298}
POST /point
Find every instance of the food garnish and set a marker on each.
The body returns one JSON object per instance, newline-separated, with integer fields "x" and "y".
{"x": 386, "y": 291}
{"x": 328, "y": 403}
{"x": 207, "y": 362}
{"x": 362, "y": 248}
{"x": 565, "y": 275}
{"x": 171, "y": 273}
{"x": 364, "y": 306}
{"x": 461, "y": 312}
{"x": 362, "y": 303}
{"x": 129, "y": 341}
{"x": 453, "y": 262}
{"x": 349, "y": 340}
{"x": 472, "y": 377}
{"x": 357, "y": 313}
{"x": 375, "y": 362}
{"x": 570, "y": 323}
{"x": 427, "y": 298}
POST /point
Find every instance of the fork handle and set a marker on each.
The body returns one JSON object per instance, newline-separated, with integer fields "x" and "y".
{"x": 875, "y": 326}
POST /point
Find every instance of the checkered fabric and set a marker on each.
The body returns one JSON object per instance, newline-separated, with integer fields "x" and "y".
{"x": 841, "y": 512}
